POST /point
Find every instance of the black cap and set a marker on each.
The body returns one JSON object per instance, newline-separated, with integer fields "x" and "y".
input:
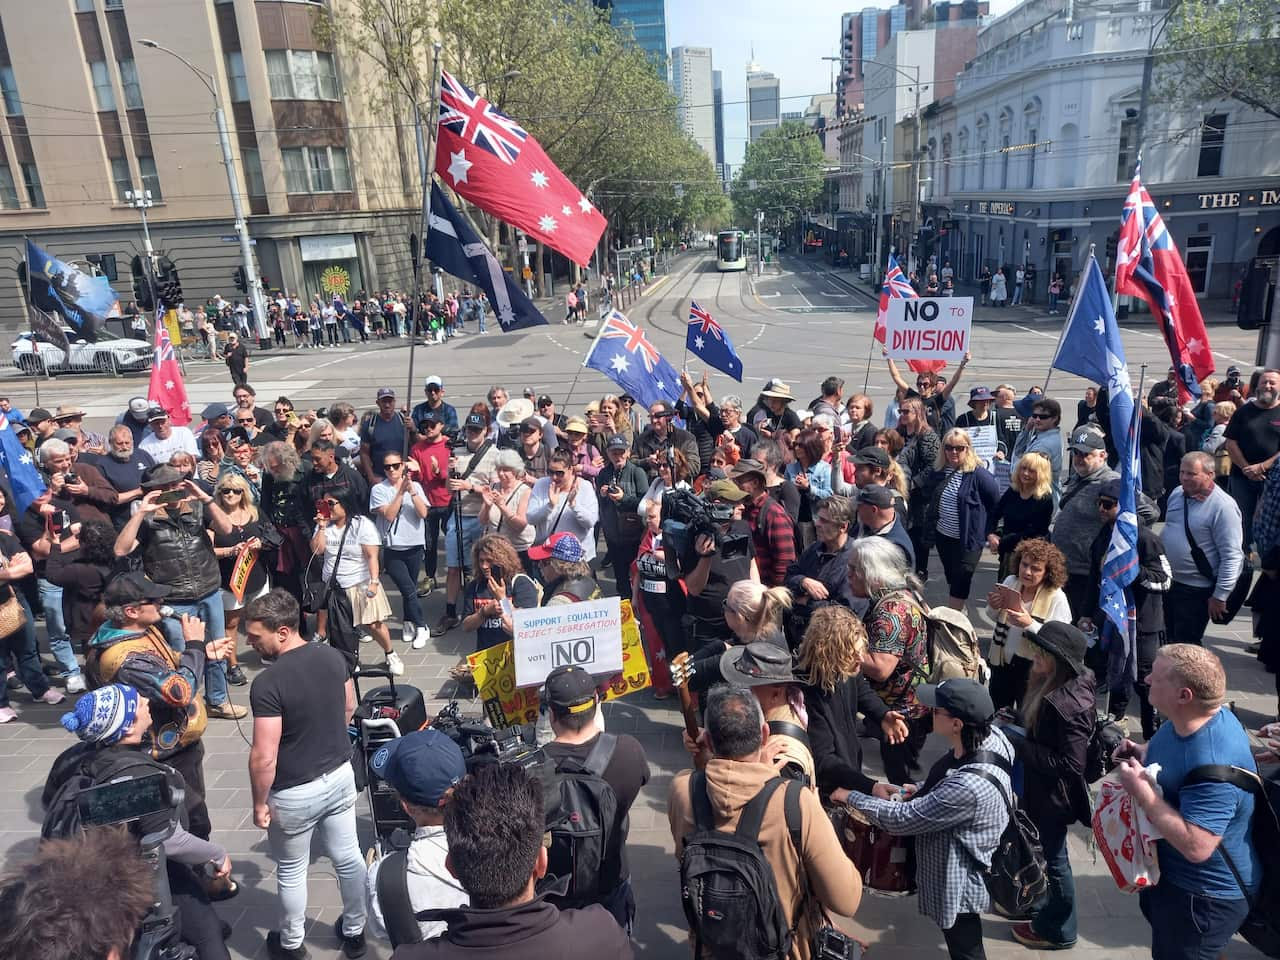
{"x": 961, "y": 697}
{"x": 1087, "y": 439}
{"x": 571, "y": 688}
{"x": 156, "y": 412}
{"x": 875, "y": 495}
{"x": 530, "y": 425}
{"x": 618, "y": 442}
{"x": 872, "y": 457}
{"x": 475, "y": 421}
{"x": 130, "y": 588}
{"x": 1110, "y": 488}
{"x": 36, "y": 414}
{"x": 430, "y": 416}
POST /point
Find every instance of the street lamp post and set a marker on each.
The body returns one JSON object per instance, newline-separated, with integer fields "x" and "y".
{"x": 241, "y": 226}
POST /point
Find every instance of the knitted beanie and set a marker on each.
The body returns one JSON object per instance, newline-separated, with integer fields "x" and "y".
{"x": 104, "y": 715}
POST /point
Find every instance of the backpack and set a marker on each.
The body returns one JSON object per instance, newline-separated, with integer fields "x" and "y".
{"x": 953, "y": 645}
{"x": 1018, "y": 875}
{"x": 1262, "y": 926}
{"x": 727, "y": 885}
{"x": 586, "y": 837}
{"x": 1100, "y": 756}
{"x": 76, "y": 770}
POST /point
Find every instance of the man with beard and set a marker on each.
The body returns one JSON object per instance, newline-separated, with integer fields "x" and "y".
{"x": 123, "y": 467}
{"x": 1253, "y": 443}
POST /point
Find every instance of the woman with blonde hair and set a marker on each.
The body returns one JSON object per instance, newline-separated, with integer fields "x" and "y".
{"x": 1028, "y": 597}
{"x": 963, "y": 495}
{"x": 830, "y": 660}
{"x": 753, "y": 612}
{"x": 1024, "y": 510}
{"x": 247, "y": 528}
{"x": 609, "y": 420}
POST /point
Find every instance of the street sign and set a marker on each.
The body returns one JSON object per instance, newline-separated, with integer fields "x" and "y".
{"x": 235, "y": 239}
{"x": 522, "y": 244}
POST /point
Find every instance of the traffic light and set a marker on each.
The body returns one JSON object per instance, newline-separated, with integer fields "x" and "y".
{"x": 168, "y": 286}
{"x": 238, "y": 278}
{"x": 141, "y": 283}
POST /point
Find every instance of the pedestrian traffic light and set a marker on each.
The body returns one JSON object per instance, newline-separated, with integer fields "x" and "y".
{"x": 168, "y": 286}
{"x": 141, "y": 283}
{"x": 238, "y": 278}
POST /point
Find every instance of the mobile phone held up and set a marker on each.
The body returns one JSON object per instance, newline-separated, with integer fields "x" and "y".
{"x": 171, "y": 497}
{"x": 324, "y": 510}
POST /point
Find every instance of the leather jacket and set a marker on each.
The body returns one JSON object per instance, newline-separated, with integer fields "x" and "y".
{"x": 1053, "y": 754}
{"x": 176, "y": 552}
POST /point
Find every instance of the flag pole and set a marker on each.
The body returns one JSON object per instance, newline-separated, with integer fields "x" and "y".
{"x": 573, "y": 386}
{"x": 426, "y": 164}
{"x": 1063, "y": 332}
{"x": 35, "y": 344}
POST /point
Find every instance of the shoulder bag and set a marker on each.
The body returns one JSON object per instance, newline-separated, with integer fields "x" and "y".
{"x": 315, "y": 591}
{"x": 1235, "y": 600}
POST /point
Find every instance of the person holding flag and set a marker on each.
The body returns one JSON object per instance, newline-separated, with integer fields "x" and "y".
{"x": 897, "y": 286}
{"x": 167, "y": 389}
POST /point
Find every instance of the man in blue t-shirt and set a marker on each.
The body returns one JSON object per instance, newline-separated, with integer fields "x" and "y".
{"x": 382, "y": 433}
{"x": 1198, "y": 900}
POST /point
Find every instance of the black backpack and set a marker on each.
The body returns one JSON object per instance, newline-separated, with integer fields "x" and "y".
{"x": 1018, "y": 875}
{"x": 586, "y": 835}
{"x": 75, "y": 770}
{"x": 727, "y": 884}
{"x": 1262, "y": 926}
{"x": 1106, "y": 737}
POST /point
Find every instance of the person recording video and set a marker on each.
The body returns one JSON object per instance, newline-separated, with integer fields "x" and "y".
{"x": 112, "y": 723}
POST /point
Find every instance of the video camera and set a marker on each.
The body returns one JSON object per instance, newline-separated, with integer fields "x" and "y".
{"x": 686, "y": 516}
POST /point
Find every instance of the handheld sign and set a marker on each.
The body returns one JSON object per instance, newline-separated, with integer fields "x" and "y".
{"x": 586, "y": 634}
{"x": 928, "y": 328}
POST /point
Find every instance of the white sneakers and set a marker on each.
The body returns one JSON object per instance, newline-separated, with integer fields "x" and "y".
{"x": 75, "y": 683}
{"x": 421, "y": 639}
{"x": 395, "y": 664}
{"x": 51, "y": 696}
{"x": 8, "y": 714}
{"x": 366, "y": 638}
{"x": 408, "y": 631}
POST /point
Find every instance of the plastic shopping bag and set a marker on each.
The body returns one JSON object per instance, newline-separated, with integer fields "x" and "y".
{"x": 1125, "y": 836}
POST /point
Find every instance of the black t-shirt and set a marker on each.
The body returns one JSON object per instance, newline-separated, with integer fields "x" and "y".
{"x": 709, "y": 606}
{"x": 523, "y": 594}
{"x": 786, "y": 421}
{"x": 307, "y": 688}
{"x": 940, "y": 411}
{"x": 1257, "y": 431}
{"x": 30, "y": 527}
{"x": 237, "y": 536}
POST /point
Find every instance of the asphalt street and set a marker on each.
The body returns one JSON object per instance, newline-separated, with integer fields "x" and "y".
{"x": 796, "y": 322}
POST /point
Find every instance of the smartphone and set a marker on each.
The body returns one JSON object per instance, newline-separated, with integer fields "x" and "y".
{"x": 1011, "y": 596}
{"x": 172, "y": 496}
{"x": 58, "y": 523}
{"x": 324, "y": 509}
{"x": 499, "y": 575}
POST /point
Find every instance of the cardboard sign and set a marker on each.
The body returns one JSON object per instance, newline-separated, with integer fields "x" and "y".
{"x": 506, "y": 704}
{"x": 985, "y": 443}
{"x": 928, "y": 328}
{"x": 586, "y": 634}
{"x": 245, "y": 559}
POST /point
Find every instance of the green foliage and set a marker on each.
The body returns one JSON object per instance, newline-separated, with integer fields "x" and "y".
{"x": 1228, "y": 50}
{"x": 786, "y": 166}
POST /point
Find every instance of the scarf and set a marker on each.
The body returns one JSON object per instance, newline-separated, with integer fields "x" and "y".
{"x": 1000, "y": 655}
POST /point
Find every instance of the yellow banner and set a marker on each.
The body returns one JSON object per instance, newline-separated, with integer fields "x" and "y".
{"x": 505, "y": 704}
{"x": 245, "y": 559}
{"x": 174, "y": 327}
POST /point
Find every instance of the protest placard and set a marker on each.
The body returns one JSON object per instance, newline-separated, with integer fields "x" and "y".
{"x": 928, "y": 328}
{"x": 588, "y": 634}
{"x": 985, "y": 443}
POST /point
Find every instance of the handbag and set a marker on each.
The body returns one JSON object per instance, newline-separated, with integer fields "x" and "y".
{"x": 12, "y": 617}
{"x": 315, "y": 591}
{"x": 1239, "y": 592}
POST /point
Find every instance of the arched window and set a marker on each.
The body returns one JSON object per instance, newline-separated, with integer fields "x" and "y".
{"x": 1031, "y": 136}
{"x": 1006, "y": 141}
{"x": 983, "y": 127}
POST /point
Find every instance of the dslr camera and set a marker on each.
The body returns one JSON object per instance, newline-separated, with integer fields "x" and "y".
{"x": 686, "y": 516}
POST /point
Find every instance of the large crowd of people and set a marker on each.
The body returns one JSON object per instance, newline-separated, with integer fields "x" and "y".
{"x": 799, "y": 602}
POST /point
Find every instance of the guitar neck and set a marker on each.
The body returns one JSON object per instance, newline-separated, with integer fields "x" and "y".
{"x": 689, "y": 711}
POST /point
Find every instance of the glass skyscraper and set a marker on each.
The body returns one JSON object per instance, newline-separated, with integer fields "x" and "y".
{"x": 647, "y": 19}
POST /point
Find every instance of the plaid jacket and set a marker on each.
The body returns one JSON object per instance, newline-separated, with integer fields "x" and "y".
{"x": 774, "y": 538}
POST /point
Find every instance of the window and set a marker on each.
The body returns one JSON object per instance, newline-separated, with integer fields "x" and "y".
{"x": 84, "y": 6}
{"x": 302, "y": 75}
{"x": 316, "y": 170}
{"x": 102, "y": 85}
{"x": 236, "y": 78}
{"x": 150, "y": 179}
{"x": 9, "y": 89}
{"x": 113, "y": 4}
{"x": 1004, "y": 163}
{"x": 982, "y": 164}
{"x": 327, "y": 74}
{"x": 121, "y": 177}
{"x": 31, "y": 178}
{"x": 129, "y": 83}
{"x": 253, "y": 178}
{"x": 1128, "y": 139}
{"x": 8, "y": 191}
{"x": 278, "y": 75}
{"x": 1212, "y": 134}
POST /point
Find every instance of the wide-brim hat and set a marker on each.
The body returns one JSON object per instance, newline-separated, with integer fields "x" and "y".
{"x": 777, "y": 389}
{"x": 1065, "y": 641}
{"x": 758, "y": 664}
{"x": 515, "y": 411}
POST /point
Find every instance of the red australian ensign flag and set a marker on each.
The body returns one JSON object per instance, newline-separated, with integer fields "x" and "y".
{"x": 167, "y": 388}
{"x": 488, "y": 158}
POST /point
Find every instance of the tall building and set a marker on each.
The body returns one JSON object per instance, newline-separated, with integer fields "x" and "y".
{"x": 329, "y": 193}
{"x": 647, "y": 20}
{"x": 717, "y": 99}
{"x": 691, "y": 78}
{"x": 764, "y": 102}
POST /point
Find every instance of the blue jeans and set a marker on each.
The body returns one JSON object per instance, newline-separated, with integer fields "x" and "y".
{"x": 402, "y": 565}
{"x": 480, "y": 315}
{"x": 56, "y": 627}
{"x": 326, "y": 805}
{"x": 1189, "y": 926}
{"x": 21, "y": 646}
{"x": 209, "y": 609}
{"x": 1056, "y": 919}
{"x": 470, "y": 534}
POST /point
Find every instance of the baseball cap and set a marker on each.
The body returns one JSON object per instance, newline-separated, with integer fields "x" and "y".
{"x": 156, "y": 412}
{"x": 571, "y": 688}
{"x": 213, "y": 411}
{"x": 872, "y": 457}
{"x": 618, "y": 442}
{"x": 385, "y": 392}
{"x": 1110, "y": 489}
{"x": 40, "y": 413}
{"x": 430, "y": 416}
{"x": 724, "y": 490}
{"x": 530, "y": 424}
{"x": 1233, "y": 370}
{"x": 559, "y": 546}
{"x": 422, "y": 766}
{"x": 1086, "y": 439}
{"x": 67, "y": 436}
{"x": 875, "y": 495}
{"x": 475, "y": 421}
{"x": 433, "y": 381}
{"x": 132, "y": 588}
{"x": 743, "y": 467}
{"x": 544, "y": 399}
{"x": 961, "y": 697}
{"x": 138, "y": 406}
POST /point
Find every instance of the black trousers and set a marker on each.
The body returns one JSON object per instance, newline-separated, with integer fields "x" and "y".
{"x": 900, "y": 759}
{"x": 201, "y": 925}
{"x": 964, "y": 938}
{"x": 1009, "y": 682}
{"x": 1186, "y": 613}
{"x": 621, "y": 555}
{"x": 437, "y": 518}
{"x": 189, "y": 761}
{"x": 1149, "y": 645}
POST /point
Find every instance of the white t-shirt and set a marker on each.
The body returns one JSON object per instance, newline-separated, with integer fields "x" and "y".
{"x": 180, "y": 439}
{"x": 407, "y": 529}
{"x": 352, "y": 568}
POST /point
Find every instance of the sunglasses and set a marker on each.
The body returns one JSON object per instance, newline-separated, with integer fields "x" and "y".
{"x": 246, "y": 420}
{"x": 1042, "y": 416}
{"x": 393, "y": 466}
{"x": 924, "y": 383}
{"x": 954, "y": 447}
{"x": 558, "y": 473}
{"x": 546, "y": 403}
{"x": 1106, "y": 503}
{"x": 230, "y": 490}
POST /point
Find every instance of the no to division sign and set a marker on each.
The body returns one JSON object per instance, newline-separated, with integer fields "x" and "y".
{"x": 929, "y": 328}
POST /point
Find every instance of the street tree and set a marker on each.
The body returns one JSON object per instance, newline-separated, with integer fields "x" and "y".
{"x": 1222, "y": 51}
{"x": 781, "y": 174}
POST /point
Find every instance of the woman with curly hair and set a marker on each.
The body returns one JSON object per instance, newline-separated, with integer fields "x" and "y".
{"x": 830, "y": 660}
{"x": 499, "y": 587}
{"x": 1019, "y": 605}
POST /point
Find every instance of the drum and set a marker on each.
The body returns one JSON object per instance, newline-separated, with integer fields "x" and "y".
{"x": 887, "y": 863}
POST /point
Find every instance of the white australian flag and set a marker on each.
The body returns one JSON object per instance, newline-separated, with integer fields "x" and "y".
{"x": 709, "y": 342}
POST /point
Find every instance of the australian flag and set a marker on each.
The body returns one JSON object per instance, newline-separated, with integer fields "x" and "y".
{"x": 17, "y": 461}
{"x": 710, "y": 344}
{"x": 1091, "y": 348}
{"x": 454, "y": 247}
{"x": 623, "y": 353}
{"x": 1148, "y": 266}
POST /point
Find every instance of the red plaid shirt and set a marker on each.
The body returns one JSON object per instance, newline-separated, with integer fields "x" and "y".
{"x": 774, "y": 538}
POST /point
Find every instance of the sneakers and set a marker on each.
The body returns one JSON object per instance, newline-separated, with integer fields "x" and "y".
{"x": 426, "y": 585}
{"x": 1252, "y": 648}
{"x": 366, "y": 638}
{"x": 234, "y": 675}
{"x": 444, "y": 625}
{"x": 1025, "y": 934}
{"x": 277, "y": 951}
{"x": 8, "y": 714}
{"x": 420, "y": 640}
{"x": 395, "y": 664}
{"x": 408, "y": 631}
{"x": 51, "y": 696}
{"x": 75, "y": 683}
{"x": 351, "y": 946}
{"x": 228, "y": 711}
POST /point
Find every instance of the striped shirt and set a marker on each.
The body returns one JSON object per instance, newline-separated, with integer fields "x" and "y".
{"x": 948, "y": 507}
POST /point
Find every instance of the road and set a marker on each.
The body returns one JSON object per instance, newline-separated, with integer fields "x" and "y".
{"x": 795, "y": 323}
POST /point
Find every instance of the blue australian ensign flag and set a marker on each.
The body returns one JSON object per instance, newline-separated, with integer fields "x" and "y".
{"x": 1091, "y": 348}
{"x": 623, "y": 353}
{"x": 709, "y": 342}
{"x": 24, "y": 478}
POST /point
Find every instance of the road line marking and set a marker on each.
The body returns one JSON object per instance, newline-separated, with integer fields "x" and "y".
{"x": 759, "y": 334}
{"x": 1038, "y": 333}
{"x": 797, "y": 289}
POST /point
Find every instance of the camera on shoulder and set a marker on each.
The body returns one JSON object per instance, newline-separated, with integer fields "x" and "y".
{"x": 687, "y": 516}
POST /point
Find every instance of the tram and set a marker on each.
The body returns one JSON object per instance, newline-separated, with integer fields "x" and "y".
{"x": 731, "y": 251}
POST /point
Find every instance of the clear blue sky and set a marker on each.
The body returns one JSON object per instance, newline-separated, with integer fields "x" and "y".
{"x": 789, "y": 40}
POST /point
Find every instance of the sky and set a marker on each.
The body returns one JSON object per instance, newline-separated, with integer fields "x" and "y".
{"x": 788, "y": 39}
